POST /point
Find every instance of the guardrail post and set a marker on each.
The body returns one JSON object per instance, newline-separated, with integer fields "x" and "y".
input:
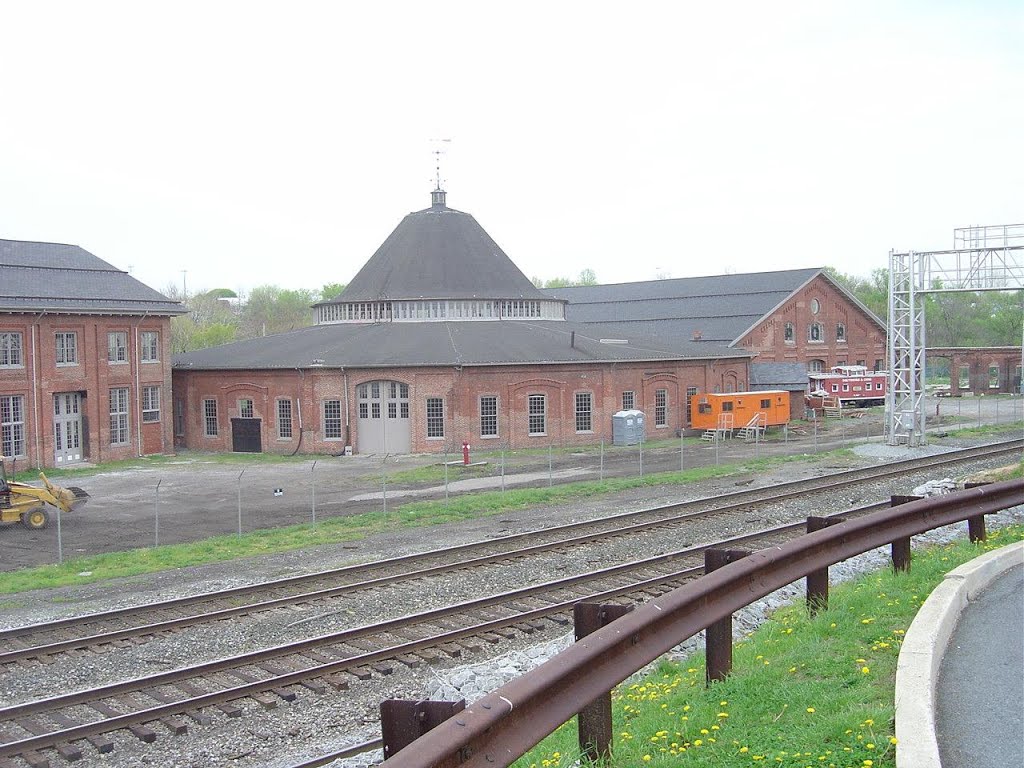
{"x": 718, "y": 636}
{"x": 403, "y": 721}
{"x": 901, "y": 547}
{"x": 975, "y": 525}
{"x": 817, "y": 581}
{"x": 595, "y": 719}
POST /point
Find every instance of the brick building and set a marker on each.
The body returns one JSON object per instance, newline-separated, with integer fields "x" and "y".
{"x": 439, "y": 339}
{"x": 85, "y": 369}
{"x": 799, "y": 316}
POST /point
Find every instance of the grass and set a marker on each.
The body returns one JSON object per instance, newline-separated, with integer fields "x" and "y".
{"x": 336, "y": 530}
{"x": 986, "y": 430}
{"x": 805, "y": 691}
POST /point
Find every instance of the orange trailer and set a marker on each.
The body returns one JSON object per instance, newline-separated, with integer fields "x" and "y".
{"x": 734, "y": 410}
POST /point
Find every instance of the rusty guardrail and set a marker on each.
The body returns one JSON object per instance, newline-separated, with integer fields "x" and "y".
{"x": 498, "y": 728}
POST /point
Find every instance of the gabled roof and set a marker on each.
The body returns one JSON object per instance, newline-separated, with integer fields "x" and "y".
{"x": 438, "y": 253}
{"x": 499, "y": 342}
{"x": 778, "y": 376}
{"x": 66, "y": 278}
{"x": 718, "y": 308}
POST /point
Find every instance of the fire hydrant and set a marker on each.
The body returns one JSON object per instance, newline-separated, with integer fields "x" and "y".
{"x": 465, "y": 453}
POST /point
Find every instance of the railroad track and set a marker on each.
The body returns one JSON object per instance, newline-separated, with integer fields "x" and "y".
{"x": 316, "y": 665}
{"x": 137, "y": 624}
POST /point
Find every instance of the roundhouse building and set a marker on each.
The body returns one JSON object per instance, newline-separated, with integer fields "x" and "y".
{"x": 439, "y": 339}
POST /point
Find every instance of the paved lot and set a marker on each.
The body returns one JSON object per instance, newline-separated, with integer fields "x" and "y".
{"x": 199, "y": 497}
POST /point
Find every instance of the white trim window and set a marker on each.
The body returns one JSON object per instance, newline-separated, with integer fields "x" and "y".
{"x": 211, "y": 427}
{"x": 12, "y": 425}
{"x": 150, "y": 343}
{"x": 788, "y": 333}
{"x": 628, "y": 400}
{"x": 584, "y": 412}
{"x": 117, "y": 347}
{"x": 538, "y": 415}
{"x": 11, "y": 351}
{"x": 488, "y": 416}
{"x": 661, "y": 408}
{"x": 435, "y": 418}
{"x": 840, "y": 332}
{"x": 119, "y": 416}
{"x": 284, "y": 419}
{"x": 245, "y": 408}
{"x": 815, "y": 332}
{"x": 150, "y": 404}
{"x": 66, "y": 343}
{"x": 332, "y": 420}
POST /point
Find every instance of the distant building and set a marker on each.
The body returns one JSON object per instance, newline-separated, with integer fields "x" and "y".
{"x": 799, "y": 316}
{"x": 85, "y": 369}
{"x": 440, "y": 339}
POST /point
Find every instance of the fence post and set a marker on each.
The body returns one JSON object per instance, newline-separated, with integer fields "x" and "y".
{"x": 976, "y": 524}
{"x": 602, "y": 460}
{"x": 403, "y": 721}
{"x": 156, "y": 515}
{"x": 901, "y": 547}
{"x": 502, "y": 470}
{"x": 595, "y": 718}
{"x": 312, "y": 479}
{"x": 718, "y": 636}
{"x": 240, "y": 503}
{"x": 446, "y": 478}
{"x": 550, "y": 450}
{"x": 817, "y": 581}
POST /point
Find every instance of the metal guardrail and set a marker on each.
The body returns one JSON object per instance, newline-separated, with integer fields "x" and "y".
{"x": 498, "y": 728}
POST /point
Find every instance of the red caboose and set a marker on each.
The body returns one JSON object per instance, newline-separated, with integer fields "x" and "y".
{"x": 850, "y": 384}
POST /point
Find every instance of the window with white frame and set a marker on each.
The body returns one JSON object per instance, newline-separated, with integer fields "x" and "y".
{"x": 119, "y": 416}
{"x": 488, "y": 416}
{"x": 788, "y": 333}
{"x": 12, "y": 425}
{"x": 816, "y": 366}
{"x": 690, "y": 394}
{"x": 150, "y": 342}
{"x": 538, "y": 414}
{"x": 628, "y": 401}
{"x": 661, "y": 408}
{"x": 117, "y": 347}
{"x": 210, "y": 426}
{"x": 435, "y": 417}
{"x": 66, "y": 343}
{"x": 284, "y": 419}
{"x": 150, "y": 404}
{"x": 11, "y": 351}
{"x": 840, "y": 332}
{"x": 815, "y": 332}
{"x": 245, "y": 409}
{"x": 332, "y": 420}
{"x": 584, "y": 411}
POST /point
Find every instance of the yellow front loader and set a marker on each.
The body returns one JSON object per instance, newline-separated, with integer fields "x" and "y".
{"x": 27, "y": 503}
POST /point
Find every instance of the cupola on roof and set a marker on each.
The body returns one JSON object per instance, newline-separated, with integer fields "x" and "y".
{"x": 442, "y": 255}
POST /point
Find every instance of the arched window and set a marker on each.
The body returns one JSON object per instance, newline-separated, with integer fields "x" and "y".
{"x": 815, "y": 366}
{"x": 788, "y": 332}
{"x": 840, "y": 332}
{"x": 815, "y": 332}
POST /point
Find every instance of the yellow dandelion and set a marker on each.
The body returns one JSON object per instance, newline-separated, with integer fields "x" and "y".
{"x": 744, "y": 750}
{"x": 865, "y": 670}
{"x": 892, "y": 740}
{"x": 811, "y": 710}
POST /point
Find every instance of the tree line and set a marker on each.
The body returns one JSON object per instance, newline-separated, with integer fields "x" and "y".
{"x": 220, "y": 316}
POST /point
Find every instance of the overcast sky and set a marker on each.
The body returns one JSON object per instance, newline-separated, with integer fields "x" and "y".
{"x": 236, "y": 144}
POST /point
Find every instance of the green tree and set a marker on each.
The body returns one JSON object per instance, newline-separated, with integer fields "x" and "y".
{"x": 270, "y": 309}
{"x": 331, "y": 291}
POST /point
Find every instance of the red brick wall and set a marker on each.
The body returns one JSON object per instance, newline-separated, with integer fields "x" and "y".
{"x": 461, "y": 390}
{"x": 865, "y": 340}
{"x": 40, "y": 378}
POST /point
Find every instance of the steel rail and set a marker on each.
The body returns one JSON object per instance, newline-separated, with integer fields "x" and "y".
{"x": 501, "y": 726}
{"x": 277, "y": 682}
{"x": 789, "y": 489}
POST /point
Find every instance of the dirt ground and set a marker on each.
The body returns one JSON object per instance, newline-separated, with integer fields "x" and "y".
{"x": 197, "y": 497}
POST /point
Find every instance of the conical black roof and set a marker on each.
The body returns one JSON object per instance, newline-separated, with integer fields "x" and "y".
{"x": 439, "y": 253}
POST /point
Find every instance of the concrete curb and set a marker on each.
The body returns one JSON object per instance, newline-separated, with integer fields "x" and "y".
{"x": 917, "y": 669}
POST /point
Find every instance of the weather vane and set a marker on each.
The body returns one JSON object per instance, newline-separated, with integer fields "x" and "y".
{"x": 437, "y": 158}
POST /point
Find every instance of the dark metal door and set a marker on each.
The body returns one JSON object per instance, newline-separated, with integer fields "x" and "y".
{"x": 245, "y": 436}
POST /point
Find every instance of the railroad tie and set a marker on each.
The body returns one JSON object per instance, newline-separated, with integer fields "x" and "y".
{"x": 142, "y": 732}
{"x": 68, "y": 751}
{"x": 101, "y": 743}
